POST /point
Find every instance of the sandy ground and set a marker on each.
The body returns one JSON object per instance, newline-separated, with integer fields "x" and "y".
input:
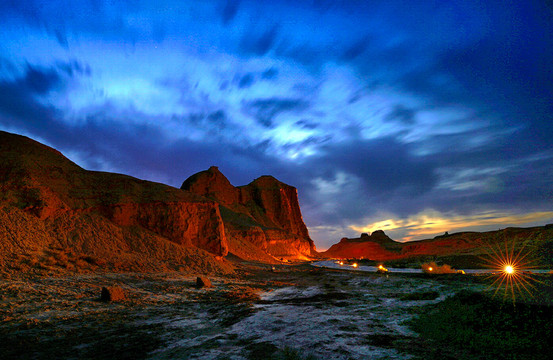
{"x": 294, "y": 312}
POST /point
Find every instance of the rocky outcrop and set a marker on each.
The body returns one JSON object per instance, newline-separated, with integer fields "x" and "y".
{"x": 196, "y": 224}
{"x": 75, "y": 206}
{"x": 377, "y": 246}
{"x": 265, "y": 213}
{"x": 203, "y": 282}
{"x": 274, "y": 204}
{"x": 214, "y": 185}
{"x": 112, "y": 293}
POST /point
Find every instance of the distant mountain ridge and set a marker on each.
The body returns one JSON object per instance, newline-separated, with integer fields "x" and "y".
{"x": 48, "y": 202}
{"x": 462, "y": 249}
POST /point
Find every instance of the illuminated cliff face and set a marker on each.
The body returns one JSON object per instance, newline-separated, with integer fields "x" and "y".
{"x": 110, "y": 215}
{"x": 265, "y": 212}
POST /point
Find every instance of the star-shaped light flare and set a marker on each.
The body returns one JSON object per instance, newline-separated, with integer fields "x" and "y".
{"x": 511, "y": 269}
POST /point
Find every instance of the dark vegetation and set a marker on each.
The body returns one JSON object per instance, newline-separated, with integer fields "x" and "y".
{"x": 268, "y": 351}
{"x": 107, "y": 336}
{"x": 475, "y": 325}
{"x": 423, "y": 295}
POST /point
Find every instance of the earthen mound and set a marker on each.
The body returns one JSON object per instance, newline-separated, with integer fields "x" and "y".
{"x": 49, "y": 204}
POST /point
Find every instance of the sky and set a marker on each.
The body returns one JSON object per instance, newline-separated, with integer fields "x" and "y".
{"x": 414, "y": 117}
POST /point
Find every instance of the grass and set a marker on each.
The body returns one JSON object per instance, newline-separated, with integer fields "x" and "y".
{"x": 422, "y": 295}
{"x": 476, "y": 326}
{"x": 267, "y": 350}
{"x": 104, "y": 337}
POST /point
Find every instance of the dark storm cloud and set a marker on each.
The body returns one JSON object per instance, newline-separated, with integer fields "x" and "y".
{"x": 383, "y": 165}
{"x": 209, "y": 122}
{"x": 41, "y": 81}
{"x": 74, "y": 68}
{"x": 62, "y": 19}
{"x": 265, "y": 110}
{"x": 259, "y": 44}
{"x": 246, "y": 81}
{"x": 504, "y": 71}
{"x": 355, "y": 50}
{"x": 514, "y": 80}
{"x": 20, "y": 109}
{"x": 402, "y": 114}
{"x": 219, "y": 118}
{"x": 19, "y": 101}
{"x": 229, "y": 11}
{"x": 269, "y": 74}
{"x": 307, "y": 124}
{"x": 26, "y": 9}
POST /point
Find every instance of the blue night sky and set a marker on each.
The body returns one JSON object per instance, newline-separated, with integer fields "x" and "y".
{"x": 411, "y": 117}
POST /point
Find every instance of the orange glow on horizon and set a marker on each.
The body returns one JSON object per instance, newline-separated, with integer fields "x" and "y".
{"x": 430, "y": 222}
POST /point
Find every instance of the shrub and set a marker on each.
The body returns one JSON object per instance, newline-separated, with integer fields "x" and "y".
{"x": 433, "y": 268}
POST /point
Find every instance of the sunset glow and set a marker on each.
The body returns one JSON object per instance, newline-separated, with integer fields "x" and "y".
{"x": 430, "y": 223}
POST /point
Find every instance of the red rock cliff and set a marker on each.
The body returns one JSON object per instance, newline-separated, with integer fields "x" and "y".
{"x": 265, "y": 212}
{"x": 41, "y": 181}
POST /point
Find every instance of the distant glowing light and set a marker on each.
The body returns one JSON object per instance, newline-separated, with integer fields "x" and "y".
{"x": 341, "y": 263}
{"x": 430, "y": 269}
{"x": 354, "y": 265}
{"x": 510, "y": 265}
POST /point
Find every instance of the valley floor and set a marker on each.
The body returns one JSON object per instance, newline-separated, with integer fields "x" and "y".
{"x": 294, "y": 312}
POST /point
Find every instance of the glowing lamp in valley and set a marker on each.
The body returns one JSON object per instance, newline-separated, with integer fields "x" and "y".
{"x": 430, "y": 269}
{"x": 509, "y": 269}
{"x": 341, "y": 263}
{"x": 354, "y": 265}
{"x": 380, "y": 267}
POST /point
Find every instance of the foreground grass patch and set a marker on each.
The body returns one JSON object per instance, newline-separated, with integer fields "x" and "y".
{"x": 266, "y": 350}
{"x": 476, "y": 326}
{"x": 423, "y": 295}
{"x": 96, "y": 338}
